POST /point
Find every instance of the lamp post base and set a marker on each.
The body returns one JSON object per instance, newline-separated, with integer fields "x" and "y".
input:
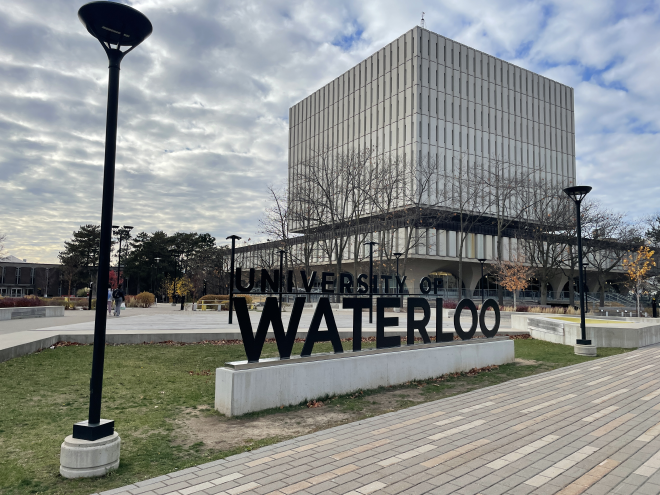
{"x": 585, "y": 349}
{"x": 94, "y": 431}
{"x": 89, "y": 459}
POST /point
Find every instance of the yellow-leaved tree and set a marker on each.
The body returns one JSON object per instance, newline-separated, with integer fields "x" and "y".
{"x": 638, "y": 264}
{"x": 513, "y": 275}
{"x": 182, "y": 285}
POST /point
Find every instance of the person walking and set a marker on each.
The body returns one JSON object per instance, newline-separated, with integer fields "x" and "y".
{"x": 118, "y": 294}
{"x": 109, "y": 300}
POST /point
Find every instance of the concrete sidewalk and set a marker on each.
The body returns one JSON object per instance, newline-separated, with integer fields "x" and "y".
{"x": 590, "y": 428}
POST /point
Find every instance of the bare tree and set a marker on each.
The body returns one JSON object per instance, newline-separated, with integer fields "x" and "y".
{"x": 469, "y": 202}
{"x": 570, "y": 264}
{"x": 3, "y": 238}
{"x": 609, "y": 237}
{"x": 505, "y": 183}
{"x": 423, "y": 205}
{"x": 301, "y": 218}
{"x": 543, "y": 233}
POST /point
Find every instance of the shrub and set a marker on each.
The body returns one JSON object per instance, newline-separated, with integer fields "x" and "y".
{"x": 145, "y": 299}
{"x": 20, "y": 302}
{"x": 84, "y": 292}
{"x": 224, "y": 297}
{"x": 449, "y": 304}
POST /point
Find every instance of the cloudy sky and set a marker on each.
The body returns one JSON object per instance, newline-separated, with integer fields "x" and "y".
{"x": 203, "y": 116}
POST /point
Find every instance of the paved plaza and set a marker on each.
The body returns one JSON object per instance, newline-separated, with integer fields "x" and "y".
{"x": 166, "y": 322}
{"x": 589, "y": 428}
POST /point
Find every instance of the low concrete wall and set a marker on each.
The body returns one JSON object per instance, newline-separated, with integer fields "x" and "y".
{"x": 31, "y": 312}
{"x": 547, "y": 329}
{"x": 628, "y": 335}
{"x": 247, "y": 387}
{"x": 27, "y": 348}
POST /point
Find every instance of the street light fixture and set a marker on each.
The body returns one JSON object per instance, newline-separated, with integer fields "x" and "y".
{"x": 577, "y": 194}
{"x": 281, "y": 278}
{"x": 371, "y": 280}
{"x": 119, "y": 25}
{"x": 123, "y": 233}
{"x": 398, "y": 255}
{"x": 155, "y": 287}
{"x": 481, "y": 282}
{"x": 122, "y": 26}
{"x": 233, "y": 238}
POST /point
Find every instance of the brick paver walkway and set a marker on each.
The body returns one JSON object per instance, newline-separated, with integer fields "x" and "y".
{"x": 590, "y": 428}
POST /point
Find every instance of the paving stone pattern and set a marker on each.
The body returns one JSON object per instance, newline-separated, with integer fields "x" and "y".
{"x": 592, "y": 428}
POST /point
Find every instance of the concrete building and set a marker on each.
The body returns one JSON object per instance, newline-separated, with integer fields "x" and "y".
{"x": 424, "y": 98}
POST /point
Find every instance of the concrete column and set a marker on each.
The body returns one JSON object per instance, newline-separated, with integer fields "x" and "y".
{"x": 558, "y": 282}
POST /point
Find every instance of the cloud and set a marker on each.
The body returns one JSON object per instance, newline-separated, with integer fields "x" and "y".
{"x": 204, "y": 101}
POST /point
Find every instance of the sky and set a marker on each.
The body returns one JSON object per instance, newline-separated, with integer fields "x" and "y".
{"x": 203, "y": 104}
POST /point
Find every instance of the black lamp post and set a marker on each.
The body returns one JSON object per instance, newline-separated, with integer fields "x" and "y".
{"x": 233, "y": 238}
{"x": 481, "y": 282}
{"x": 89, "y": 296}
{"x": 282, "y": 253}
{"x": 371, "y": 280}
{"x": 398, "y": 255}
{"x": 180, "y": 260}
{"x": 155, "y": 287}
{"x": 123, "y": 233}
{"x": 577, "y": 194}
{"x": 119, "y": 25}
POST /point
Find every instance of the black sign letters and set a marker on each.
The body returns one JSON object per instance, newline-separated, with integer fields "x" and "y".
{"x": 272, "y": 314}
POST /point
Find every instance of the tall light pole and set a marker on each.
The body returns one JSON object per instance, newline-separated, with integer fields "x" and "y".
{"x": 123, "y": 233}
{"x": 398, "y": 255}
{"x": 233, "y": 238}
{"x": 481, "y": 282}
{"x": 119, "y": 25}
{"x": 157, "y": 259}
{"x": 577, "y": 194}
{"x": 282, "y": 253}
{"x": 371, "y": 280}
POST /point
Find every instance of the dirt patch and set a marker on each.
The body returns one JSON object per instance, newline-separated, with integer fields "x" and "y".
{"x": 208, "y": 430}
{"x": 526, "y": 362}
{"x": 222, "y": 433}
{"x": 217, "y": 432}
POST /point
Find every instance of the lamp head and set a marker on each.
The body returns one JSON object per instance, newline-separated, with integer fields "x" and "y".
{"x": 398, "y": 255}
{"x": 577, "y": 193}
{"x": 481, "y": 260}
{"x": 114, "y": 23}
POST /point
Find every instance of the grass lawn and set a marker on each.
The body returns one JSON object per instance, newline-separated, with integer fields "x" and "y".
{"x": 156, "y": 392}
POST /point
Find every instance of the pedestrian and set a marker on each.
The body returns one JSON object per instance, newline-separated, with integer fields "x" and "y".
{"x": 118, "y": 294}
{"x": 109, "y": 300}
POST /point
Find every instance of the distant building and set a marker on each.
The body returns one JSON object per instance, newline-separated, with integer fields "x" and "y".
{"x": 19, "y": 278}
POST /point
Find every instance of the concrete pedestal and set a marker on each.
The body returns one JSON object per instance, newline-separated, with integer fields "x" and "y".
{"x": 85, "y": 459}
{"x": 243, "y": 387}
{"x": 585, "y": 350}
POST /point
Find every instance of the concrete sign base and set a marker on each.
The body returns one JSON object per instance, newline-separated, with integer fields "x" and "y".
{"x": 244, "y": 387}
